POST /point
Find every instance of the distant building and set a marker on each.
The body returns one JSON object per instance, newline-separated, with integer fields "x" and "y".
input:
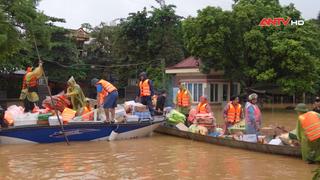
{"x": 80, "y": 36}
{"x": 213, "y": 85}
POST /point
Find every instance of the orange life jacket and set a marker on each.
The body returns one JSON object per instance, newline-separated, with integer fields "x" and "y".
{"x": 233, "y": 114}
{"x": 33, "y": 82}
{"x": 183, "y": 98}
{"x": 144, "y": 88}
{"x": 106, "y": 88}
{"x": 86, "y": 116}
{"x": 310, "y": 122}
{"x": 202, "y": 108}
{"x": 67, "y": 115}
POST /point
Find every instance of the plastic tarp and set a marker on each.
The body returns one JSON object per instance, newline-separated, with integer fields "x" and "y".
{"x": 12, "y": 113}
{"x": 175, "y": 117}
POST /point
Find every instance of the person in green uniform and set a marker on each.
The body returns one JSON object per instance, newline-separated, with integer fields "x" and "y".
{"x": 310, "y": 149}
{"x": 75, "y": 93}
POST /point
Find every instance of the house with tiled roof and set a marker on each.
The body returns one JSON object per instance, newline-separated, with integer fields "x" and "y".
{"x": 213, "y": 85}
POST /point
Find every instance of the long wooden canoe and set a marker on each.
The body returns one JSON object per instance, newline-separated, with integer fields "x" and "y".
{"x": 265, "y": 148}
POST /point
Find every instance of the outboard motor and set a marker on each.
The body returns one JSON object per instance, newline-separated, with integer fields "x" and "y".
{"x": 2, "y": 123}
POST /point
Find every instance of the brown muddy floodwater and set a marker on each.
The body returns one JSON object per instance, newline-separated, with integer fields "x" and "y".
{"x": 156, "y": 157}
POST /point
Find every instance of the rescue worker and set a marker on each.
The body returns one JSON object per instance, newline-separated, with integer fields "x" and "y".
{"x": 76, "y": 95}
{"x": 85, "y": 111}
{"x": 107, "y": 95}
{"x": 203, "y": 106}
{"x": 308, "y": 133}
{"x": 161, "y": 100}
{"x": 145, "y": 92}
{"x": 232, "y": 113}
{"x": 316, "y": 105}
{"x": 205, "y": 109}
{"x": 253, "y": 115}
{"x": 29, "y": 90}
{"x": 183, "y": 100}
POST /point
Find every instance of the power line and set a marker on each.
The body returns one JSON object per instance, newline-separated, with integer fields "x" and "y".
{"x": 98, "y": 65}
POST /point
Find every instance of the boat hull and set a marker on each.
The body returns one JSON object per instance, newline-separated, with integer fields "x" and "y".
{"x": 76, "y": 132}
{"x": 264, "y": 148}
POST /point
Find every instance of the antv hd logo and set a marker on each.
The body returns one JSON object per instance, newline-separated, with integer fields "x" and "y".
{"x": 279, "y": 21}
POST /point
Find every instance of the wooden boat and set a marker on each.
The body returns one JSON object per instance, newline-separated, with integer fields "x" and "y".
{"x": 78, "y": 131}
{"x": 264, "y": 148}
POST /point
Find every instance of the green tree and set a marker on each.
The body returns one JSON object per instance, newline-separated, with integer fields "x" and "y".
{"x": 151, "y": 39}
{"x": 233, "y": 42}
{"x": 142, "y": 40}
{"x": 20, "y": 23}
{"x": 62, "y": 56}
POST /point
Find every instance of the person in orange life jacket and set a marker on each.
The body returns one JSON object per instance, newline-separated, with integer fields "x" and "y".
{"x": 145, "y": 92}
{"x": 316, "y": 105}
{"x": 85, "y": 111}
{"x": 183, "y": 100}
{"x": 161, "y": 100}
{"x": 232, "y": 113}
{"x": 30, "y": 87}
{"x": 203, "y": 106}
{"x": 308, "y": 133}
{"x": 107, "y": 95}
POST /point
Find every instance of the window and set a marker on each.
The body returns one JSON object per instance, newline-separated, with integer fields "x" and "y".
{"x": 200, "y": 90}
{"x": 235, "y": 87}
{"x": 196, "y": 90}
{"x": 214, "y": 92}
{"x": 225, "y": 92}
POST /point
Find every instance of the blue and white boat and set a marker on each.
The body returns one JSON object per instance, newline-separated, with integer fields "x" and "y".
{"x": 78, "y": 131}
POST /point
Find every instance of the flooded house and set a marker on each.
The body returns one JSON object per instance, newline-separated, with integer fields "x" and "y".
{"x": 213, "y": 85}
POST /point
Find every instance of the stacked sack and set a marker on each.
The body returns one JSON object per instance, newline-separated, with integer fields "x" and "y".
{"x": 137, "y": 109}
{"x": 175, "y": 117}
{"x": 60, "y": 101}
{"x": 198, "y": 129}
{"x": 12, "y": 113}
{"x": 206, "y": 120}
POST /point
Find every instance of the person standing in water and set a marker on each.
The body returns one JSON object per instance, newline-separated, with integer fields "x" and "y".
{"x": 308, "y": 133}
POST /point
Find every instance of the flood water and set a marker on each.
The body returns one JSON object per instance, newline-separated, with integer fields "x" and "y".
{"x": 156, "y": 157}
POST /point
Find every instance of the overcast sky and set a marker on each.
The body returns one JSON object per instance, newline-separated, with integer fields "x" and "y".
{"x": 76, "y": 12}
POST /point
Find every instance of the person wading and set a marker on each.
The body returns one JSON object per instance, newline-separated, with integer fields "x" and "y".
{"x": 308, "y": 133}
{"x": 232, "y": 113}
{"x": 107, "y": 96}
{"x": 253, "y": 115}
{"x": 183, "y": 100}
{"x": 145, "y": 92}
{"x": 29, "y": 90}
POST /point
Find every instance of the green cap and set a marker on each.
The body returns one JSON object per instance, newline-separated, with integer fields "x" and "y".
{"x": 301, "y": 107}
